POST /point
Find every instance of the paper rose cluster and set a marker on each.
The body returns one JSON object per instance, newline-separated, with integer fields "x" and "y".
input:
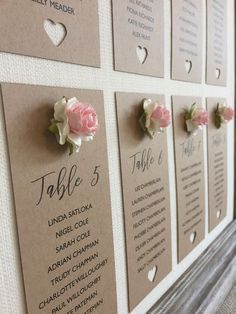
{"x": 223, "y": 114}
{"x": 73, "y": 123}
{"x": 155, "y": 117}
{"x": 195, "y": 119}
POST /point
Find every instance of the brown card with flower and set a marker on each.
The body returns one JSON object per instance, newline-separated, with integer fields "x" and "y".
{"x": 145, "y": 184}
{"x": 62, "y": 205}
{"x": 216, "y": 63}
{"x": 138, "y": 35}
{"x": 58, "y": 30}
{"x": 190, "y": 178}
{"x": 217, "y": 166}
{"x": 187, "y": 38}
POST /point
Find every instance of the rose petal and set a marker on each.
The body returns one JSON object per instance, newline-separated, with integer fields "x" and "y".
{"x": 64, "y": 130}
{"x": 155, "y": 125}
{"x": 74, "y": 139}
{"x": 87, "y": 138}
{"x": 191, "y": 128}
{"x": 59, "y": 110}
{"x": 71, "y": 102}
{"x": 146, "y": 103}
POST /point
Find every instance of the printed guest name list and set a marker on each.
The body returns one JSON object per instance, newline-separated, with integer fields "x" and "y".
{"x": 62, "y": 206}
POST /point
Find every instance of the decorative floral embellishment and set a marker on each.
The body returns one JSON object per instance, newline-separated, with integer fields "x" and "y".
{"x": 195, "y": 119}
{"x": 73, "y": 123}
{"x": 155, "y": 117}
{"x": 223, "y": 114}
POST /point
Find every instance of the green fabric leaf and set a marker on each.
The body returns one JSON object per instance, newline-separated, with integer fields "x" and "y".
{"x": 53, "y": 128}
{"x": 188, "y": 113}
{"x": 193, "y": 107}
{"x": 71, "y": 148}
{"x": 142, "y": 121}
{"x": 217, "y": 120}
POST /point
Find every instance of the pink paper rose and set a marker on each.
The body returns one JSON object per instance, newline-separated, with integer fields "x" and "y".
{"x": 223, "y": 114}
{"x": 200, "y": 117}
{"x": 73, "y": 123}
{"x": 227, "y": 113}
{"x": 155, "y": 117}
{"x": 163, "y": 115}
{"x": 82, "y": 119}
{"x": 195, "y": 119}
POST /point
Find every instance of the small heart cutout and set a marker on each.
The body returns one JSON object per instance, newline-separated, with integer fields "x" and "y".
{"x": 188, "y": 66}
{"x": 192, "y": 237}
{"x": 218, "y": 214}
{"x": 142, "y": 54}
{"x": 217, "y": 73}
{"x": 152, "y": 274}
{"x": 55, "y": 31}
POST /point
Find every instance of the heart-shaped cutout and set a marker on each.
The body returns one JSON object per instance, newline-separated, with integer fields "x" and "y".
{"x": 192, "y": 237}
{"x": 218, "y": 214}
{"x": 142, "y": 54}
{"x": 188, "y": 66}
{"x": 152, "y": 273}
{"x": 217, "y": 73}
{"x": 55, "y": 31}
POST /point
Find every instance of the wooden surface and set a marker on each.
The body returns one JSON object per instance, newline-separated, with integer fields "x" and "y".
{"x": 206, "y": 283}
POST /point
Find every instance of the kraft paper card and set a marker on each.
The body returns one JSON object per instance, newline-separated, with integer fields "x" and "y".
{"x": 217, "y": 166}
{"x": 138, "y": 34}
{"x": 58, "y": 30}
{"x": 145, "y": 183}
{"x": 216, "y": 42}
{"x": 190, "y": 179}
{"x": 62, "y": 206}
{"x": 187, "y": 29}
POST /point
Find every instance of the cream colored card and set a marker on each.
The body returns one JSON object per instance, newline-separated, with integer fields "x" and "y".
{"x": 217, "y": 166}
{"x": 58, "y": 30}
{"x": 187, "y": 29}
{"x": 138, "y": 31}
{"x": 62, "y": 205}
{"x": 216, "y": 42}
{"x": 146, "y": 198}
{"x": 190, "y": 179}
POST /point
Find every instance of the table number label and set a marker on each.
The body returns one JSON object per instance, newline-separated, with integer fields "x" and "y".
{"x": 216, "y": 42}
{"x": 187, "y": 22}
{"x": 217, "y": 166}
{"x": 190, "y": 178}
{"x": 145, "y": 182}
{"x": 62, "y": 206}
{"x": 138, "y": 29}
{"x": 58, "y": 30}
